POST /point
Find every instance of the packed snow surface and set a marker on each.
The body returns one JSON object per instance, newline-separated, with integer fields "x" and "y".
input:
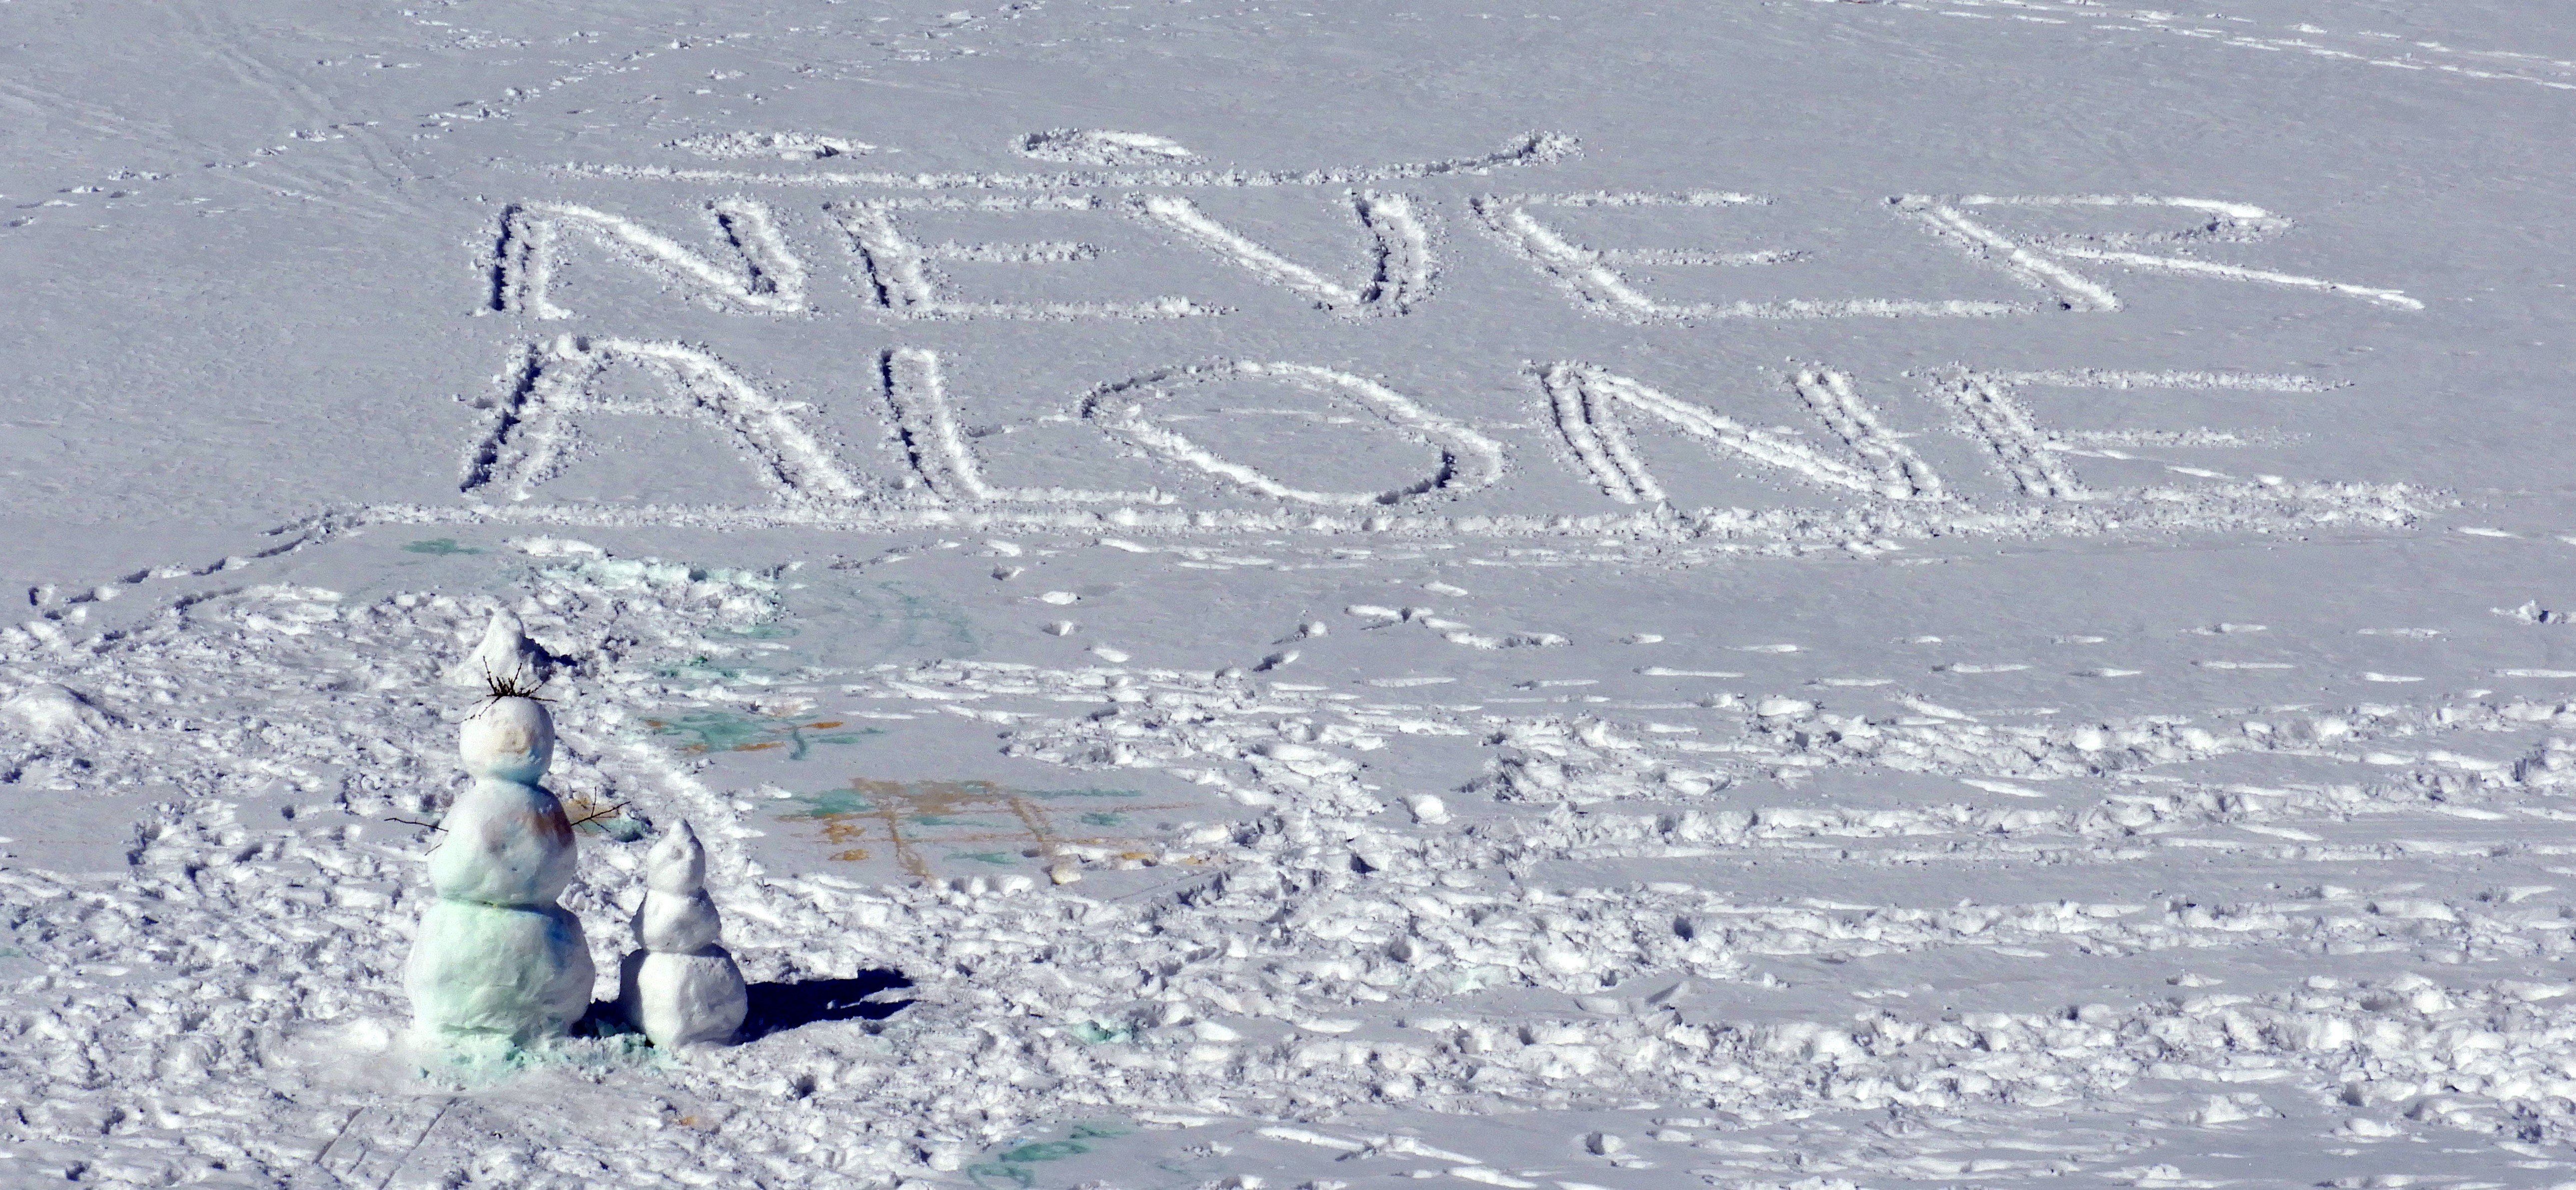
{"x": 1217, "y": 593}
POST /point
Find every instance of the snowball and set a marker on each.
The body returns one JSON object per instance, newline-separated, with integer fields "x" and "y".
{"x": 684, "y": 999}
{"x": 504, "y": 654}
{"x": 678, "y": 863}
{"x": 678, "y": 924}
{"x": 504, "y": 844}
{"x": 520, "y": 972}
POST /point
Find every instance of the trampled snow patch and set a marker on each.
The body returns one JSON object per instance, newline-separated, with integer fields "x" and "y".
{"x": 1097, "y": 146}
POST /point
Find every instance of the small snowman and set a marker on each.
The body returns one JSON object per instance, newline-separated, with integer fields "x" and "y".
{"x": 682, "y": 988}
{"x": 505, "y": 654}
{"x": 497, "y": 957}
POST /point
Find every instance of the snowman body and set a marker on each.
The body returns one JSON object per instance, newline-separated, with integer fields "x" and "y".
{"x": 497, "y": 956}
{"x": 682, "y": 988}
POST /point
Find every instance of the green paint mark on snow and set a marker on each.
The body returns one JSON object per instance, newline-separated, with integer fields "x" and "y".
{"x": 910, "y": 817}
{"x": 703, "y": 666}
{"x": 1095, "y": 1033}
{"x": 926, "y": 799}
{"x": 1047, "y": 1150}
{"x": 726, "y": 731}
{"x": 1011, "y": 1166}
{"x": 1013, "y": 1175}
{"x": 927, "y": 620}
{"x": 441, "y": 546}
{"x": 831, "y": 802}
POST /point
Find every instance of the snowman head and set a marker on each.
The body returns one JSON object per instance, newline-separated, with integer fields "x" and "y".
{"x": 677, "y": 864}
{"x": 509, "y": 738}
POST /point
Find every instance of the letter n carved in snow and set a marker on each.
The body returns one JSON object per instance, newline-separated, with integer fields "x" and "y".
{"x": 1591, "y": 406}
{"x": 534, "y": 430}
{"x": 769, "y": 280}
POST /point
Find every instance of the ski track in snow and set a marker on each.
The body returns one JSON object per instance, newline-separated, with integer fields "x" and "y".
{"x": 2363, "y": 48}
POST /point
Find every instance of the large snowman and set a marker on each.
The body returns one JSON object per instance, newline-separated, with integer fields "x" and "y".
{"x": 497, "y": 958}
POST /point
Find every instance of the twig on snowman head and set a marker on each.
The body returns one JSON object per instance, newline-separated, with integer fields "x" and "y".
{"x": 515, "y": 684}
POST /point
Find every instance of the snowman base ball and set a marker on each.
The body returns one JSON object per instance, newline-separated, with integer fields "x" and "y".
{"x": 684, "y": 999}
{"x": 512, "y": 971}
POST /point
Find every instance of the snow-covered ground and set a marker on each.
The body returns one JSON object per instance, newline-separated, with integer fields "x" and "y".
{"x": 1588, "y": 595}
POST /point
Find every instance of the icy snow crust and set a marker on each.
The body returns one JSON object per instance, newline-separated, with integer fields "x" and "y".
{"x": 1796, "y": 595}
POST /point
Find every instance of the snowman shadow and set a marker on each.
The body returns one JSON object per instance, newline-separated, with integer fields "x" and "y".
{"x": 778, "y": 1007}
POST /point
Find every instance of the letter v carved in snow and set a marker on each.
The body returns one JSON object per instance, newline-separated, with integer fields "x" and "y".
{"x": 1586, "y": 401}
{"x": 1401, "y": 268}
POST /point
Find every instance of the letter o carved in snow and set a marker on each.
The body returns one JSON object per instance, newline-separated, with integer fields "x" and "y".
{"x": 1468, "y": 460}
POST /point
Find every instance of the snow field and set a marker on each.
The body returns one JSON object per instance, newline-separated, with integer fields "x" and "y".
{"x": 1245, "y": 596}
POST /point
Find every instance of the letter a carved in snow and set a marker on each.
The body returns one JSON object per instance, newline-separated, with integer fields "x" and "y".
{"x": 1586, "y": 401}
{"x": 532, "y": 436}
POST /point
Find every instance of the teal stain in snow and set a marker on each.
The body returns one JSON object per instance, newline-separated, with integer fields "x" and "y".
{"x": 727, "y": 731}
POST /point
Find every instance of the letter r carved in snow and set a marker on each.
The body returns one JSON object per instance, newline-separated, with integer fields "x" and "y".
{"x": 2039, "y": 261}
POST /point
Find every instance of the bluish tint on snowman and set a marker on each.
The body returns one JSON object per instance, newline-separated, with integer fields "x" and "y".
{"x": 497, "y": 958}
